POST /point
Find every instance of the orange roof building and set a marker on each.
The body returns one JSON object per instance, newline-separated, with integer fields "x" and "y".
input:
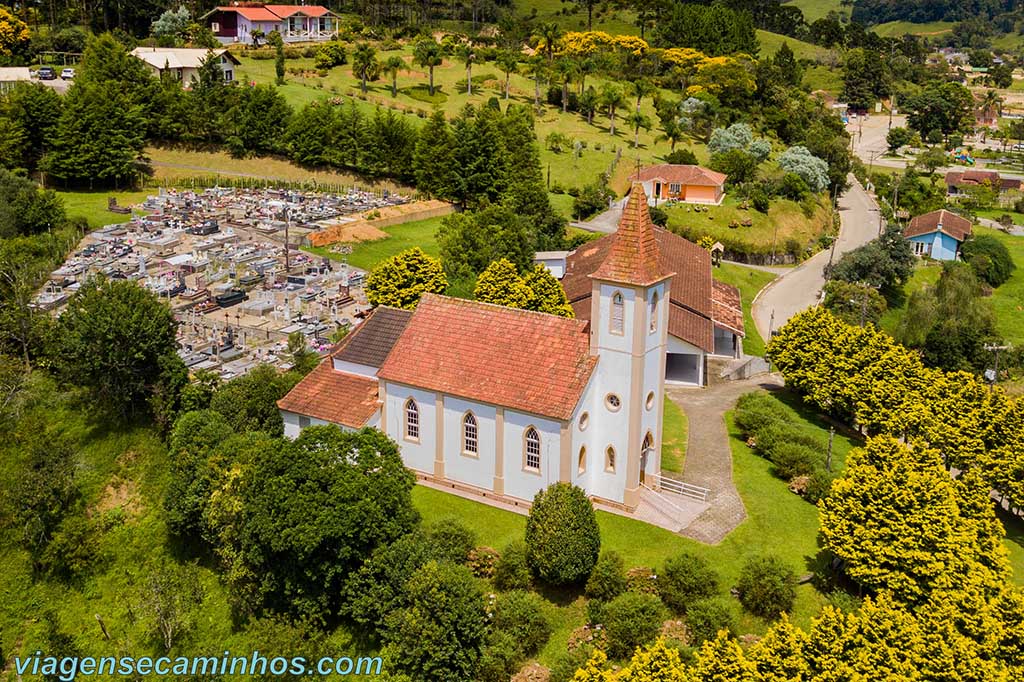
{"x": 680, "y": 182}
{"x": 505, "y": 402}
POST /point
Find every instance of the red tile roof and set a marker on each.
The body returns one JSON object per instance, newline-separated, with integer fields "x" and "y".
{"x": 333, "y": 396}
{"x": 285, "y": 11}
{"x": 634, "y": 257}
{"x": 371, "y": 342}
{"x": 972, "y": 177}
{"x": 957, "y": 227}
{"x": 252, "y": 13}
{"x": 523, "y": 360}
{"x": 690, "y": 291}
{"x": 728, "y": 307}
{"x": 683, "y": 175}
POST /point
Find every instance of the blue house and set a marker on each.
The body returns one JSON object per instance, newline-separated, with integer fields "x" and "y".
{"x": 938, "y": 234}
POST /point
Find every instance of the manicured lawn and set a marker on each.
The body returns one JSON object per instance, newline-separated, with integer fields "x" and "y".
{"x": 674, "y": 438}
{"x": 749, "y": 281}
{"x": 996, "y": 214}
{"x": 93, "y": 205}
{"x": 778, "y": 522}
{"x": 785, "y": 221}
{"x": 405, "y": 236}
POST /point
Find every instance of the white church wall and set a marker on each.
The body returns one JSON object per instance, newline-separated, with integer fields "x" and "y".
{"x": 417, "y": 454}
{"x": 606, "y": 339}
{"x": 519, "y": 482}
{"x": 458, "y": 466}
{"x": 295, "y": 423}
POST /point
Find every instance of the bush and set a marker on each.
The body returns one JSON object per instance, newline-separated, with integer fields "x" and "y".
{"x": 659, "y": 216}
{"x": 592, "y": 199}
{"x": 686, "y": 578}
{"x": 989, "y": 258}
{"x": 706, "y": 617}
{"x": 682, "y": 156}
{"x": 768, "y": 439}
{"x": 521, "y": 615}
{"x": 562, "y": 536}
{"x": 790, "y": 460}
{"x": 632, "y": 620}
{"x": 595, "y": 611}
{"x": 482, "y": 561}
{"x": 818, "y": 485}
{"x": 766, "y": 586}
{"x": 452, "y": 541}
{"x": 512, "y": 571}
{"x": 757, "y": 410}
{"x": 608, "y": 579}
{"x": 761, "y": 202}
{"x": 568, "y": 662}
{"x": 499, "y": 659}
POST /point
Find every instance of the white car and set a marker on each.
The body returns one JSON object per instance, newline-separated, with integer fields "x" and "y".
{"x": 67, "y": 74}
{"x": 1018, "y": 147}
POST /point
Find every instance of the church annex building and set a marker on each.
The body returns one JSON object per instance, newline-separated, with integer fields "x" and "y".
{"x": 505, "y": 402}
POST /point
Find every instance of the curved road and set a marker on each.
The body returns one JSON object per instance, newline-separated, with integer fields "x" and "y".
{"x": 799, "y": 288}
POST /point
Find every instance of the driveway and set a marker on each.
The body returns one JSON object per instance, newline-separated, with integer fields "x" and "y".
{"x": 800, "y": 287}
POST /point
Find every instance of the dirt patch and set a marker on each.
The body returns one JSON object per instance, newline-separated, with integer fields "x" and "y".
{"x": 358, "y": 231}
{"x": 370, "y": 225}
{"x": 120, "y": 493}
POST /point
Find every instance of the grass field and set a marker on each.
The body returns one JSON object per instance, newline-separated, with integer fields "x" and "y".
{"x": 825, "y": 78}
{"x": 93, "y": 206}
{"x": 674, "y": 438}
{"x": 778, "y": 522}
{"x": 601, "y": 150}
{"x": 405, "y": 236}
{"x": 818, "y": 9}
{"x": 900, "y": 28}
{"x": 784, "y": 221}
{"x": 749, "y": 281}
{"x": 771, "y": 42}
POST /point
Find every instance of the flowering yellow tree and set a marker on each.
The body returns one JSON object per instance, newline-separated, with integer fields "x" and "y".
{"x": 14, "y": 33}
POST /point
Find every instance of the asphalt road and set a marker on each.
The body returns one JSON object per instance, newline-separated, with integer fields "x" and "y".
{"x": 800, "y": 287}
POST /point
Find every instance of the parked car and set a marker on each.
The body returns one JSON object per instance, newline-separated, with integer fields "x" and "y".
{"x": 67, "y": 74}
{"x": 47, "y": 73}
{"x": 1018, "y": 147}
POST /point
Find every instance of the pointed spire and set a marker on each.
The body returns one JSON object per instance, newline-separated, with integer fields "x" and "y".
{"x": 634, "y": 257}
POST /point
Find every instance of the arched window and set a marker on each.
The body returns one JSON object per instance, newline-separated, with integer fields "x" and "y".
{"x": 581, "y": 463}
{"x": 412, "y": 420}
{"x": 648, "y": 443}
{"x": 532, "y": 449}
{"x": 469, "y": 434}
{"x": 609, "y": 459}
{"x": 654, "y": 312}
{"x": 618, "y": 319}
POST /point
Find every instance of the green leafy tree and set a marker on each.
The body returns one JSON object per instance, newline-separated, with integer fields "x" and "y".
{"x": 509, "y": 63}
{"x": 170, "y": 598}
{"x": 401, "y": 280}
{"x": 854, "y": 303}
{"x": 897, "y": 137}
{"x": 886, "y": 262}
{"x": 989, "y": 258}
{"x": 113, "y": 339}
{"x": 807, "y": 166}
{"x": 34, "y": 109}
{"x": 195, "y": 436}
{"x": 562, "y": 537}
{"x": 865, "y": 78}
{"x": 946, "y": 107}
{"x": 440, "y": 634}
{"x": 27, "y": 209}
{"x": 14, "y": 34}
{"x": 521, "y": 615}
{"x": 512, "y": 572}
{"x": 171, "y": 25}
{"x": 611, "y": 96}
{"x": 789, "y": 68}
{"x": 638, "y": 120}
{"x": 427, "y": 53}
{"x": 713, "y": 29}
{"x": 249, "y": 402}
{"x": 312, "y": 133}
{"x": 308, "y": 514}
{"x": 364, "y": 64}
{"x": 470, "y": 242}
{"x": 467, "y": 55}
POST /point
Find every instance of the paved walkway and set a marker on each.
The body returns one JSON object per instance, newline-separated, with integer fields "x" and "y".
{"x": 708, "y": 455}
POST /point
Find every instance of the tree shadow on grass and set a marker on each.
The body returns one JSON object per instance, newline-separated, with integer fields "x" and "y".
{"x": 559, "y": 595}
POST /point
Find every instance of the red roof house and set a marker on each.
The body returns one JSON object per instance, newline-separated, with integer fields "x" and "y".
{"x": 296, "y": 23}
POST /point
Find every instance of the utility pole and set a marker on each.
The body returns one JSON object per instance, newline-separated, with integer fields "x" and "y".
{"x": 995, "y": 374}
{"x": 892, "y": 93}
{"x": 828, "y": 457}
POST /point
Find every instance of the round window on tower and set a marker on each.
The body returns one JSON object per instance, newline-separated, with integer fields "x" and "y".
{"x": 612, "y": 402}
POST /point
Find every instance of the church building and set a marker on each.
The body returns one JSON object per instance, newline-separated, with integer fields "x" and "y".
{"x": 505, "y": 402}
